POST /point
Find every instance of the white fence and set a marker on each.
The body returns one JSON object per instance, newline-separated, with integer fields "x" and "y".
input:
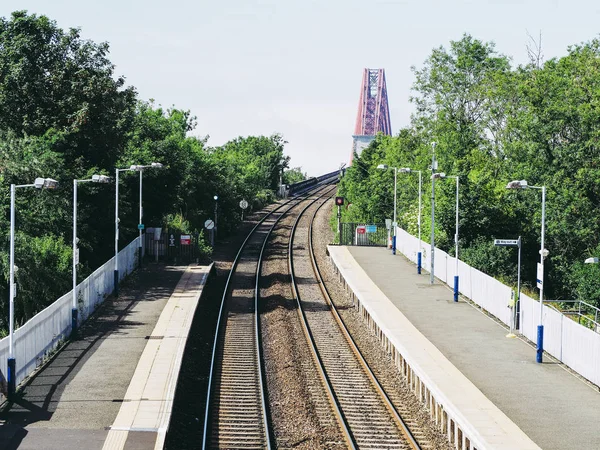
{"x": 571, "y": 343}
{"x": 44, "y": 331}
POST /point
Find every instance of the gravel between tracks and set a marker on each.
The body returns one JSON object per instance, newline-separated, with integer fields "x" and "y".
{"x": 380, "y": 362}
{"x": 301, "y": 415}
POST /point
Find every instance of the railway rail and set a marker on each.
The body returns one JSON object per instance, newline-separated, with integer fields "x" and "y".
{"x": 365, "y": 413}
{"x": 237, "y": 412}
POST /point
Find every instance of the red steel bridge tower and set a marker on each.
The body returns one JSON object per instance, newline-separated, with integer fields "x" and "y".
{"x": 373, "y": 111}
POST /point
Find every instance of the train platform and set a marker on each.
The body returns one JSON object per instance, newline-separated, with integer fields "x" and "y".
{"x": 113, "y": 387}
{"x": 460, "y": 360}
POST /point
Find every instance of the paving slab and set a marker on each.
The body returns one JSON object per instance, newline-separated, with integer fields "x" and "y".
{"x": 556, "y": 409}
{"x": 74, "y": 399}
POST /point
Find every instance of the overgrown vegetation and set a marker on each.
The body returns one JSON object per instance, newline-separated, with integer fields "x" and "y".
{"x": 494, "y": 123}
{"x": 64, "y": 114}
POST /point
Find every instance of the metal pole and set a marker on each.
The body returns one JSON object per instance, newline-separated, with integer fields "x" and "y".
{"x": 456, "y": 243}
{"x": 116, "y": 232}
{"x": 540, "y": 333}
{"x": 395, "y": 224}
{"x": 518, "y": 302}
{"x": 419, "y": 253}
{"x": 215, "y": 228}
{"x": 74, "y": 303}
{"x": 431, "y": 272}
{"x": 140, "y": 223}
{"x": 11, "y": 375}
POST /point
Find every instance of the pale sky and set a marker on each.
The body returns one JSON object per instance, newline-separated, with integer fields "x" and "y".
{"x": 294, "y": 66}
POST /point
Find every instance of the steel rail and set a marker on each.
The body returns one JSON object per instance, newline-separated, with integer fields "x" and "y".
{"x": 296, "y": 200}
{"x": 388, "y": 403}
{"x": 341, "y": 418}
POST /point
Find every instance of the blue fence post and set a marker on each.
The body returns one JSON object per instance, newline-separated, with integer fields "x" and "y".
{"x": 419, "y": 263}
{"x": 11, "y": 378}
{"x": 455, "y": 288}
{"x": 393, "y": 245}
{"x": 540, "y": 343}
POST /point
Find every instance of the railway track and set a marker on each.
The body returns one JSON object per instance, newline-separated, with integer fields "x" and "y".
{"x": 237, "y": 409}
{"x": 366, "y": 415}
{"x": 237, "y": 413}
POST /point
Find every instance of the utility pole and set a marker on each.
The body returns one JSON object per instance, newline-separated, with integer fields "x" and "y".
{"x": 433, "y": 168}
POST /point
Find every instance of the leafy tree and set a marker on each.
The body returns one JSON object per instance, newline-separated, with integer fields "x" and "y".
{"x": 294, "y": 175}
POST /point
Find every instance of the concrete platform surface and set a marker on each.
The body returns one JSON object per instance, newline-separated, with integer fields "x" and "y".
{"x": 145, "y": 413}
{"x": 556, "y": 409}
{"x": 75, "y": 398}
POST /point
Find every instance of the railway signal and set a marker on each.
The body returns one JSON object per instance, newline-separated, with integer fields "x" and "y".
{"x": 339, "y": 201}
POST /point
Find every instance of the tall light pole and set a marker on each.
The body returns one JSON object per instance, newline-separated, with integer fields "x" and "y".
{"x": 419, "y": 250}
{"x": 442, "y": 176}
{"x": 432, "y": 251}
{"x": 133, "y": 168}
{"x": 216, "y": 198}
{"x": 394, "y": 223}
{"x": 522, "y": 184}
{"x": 74, "y": 310}
{"x": 39, "y": 183}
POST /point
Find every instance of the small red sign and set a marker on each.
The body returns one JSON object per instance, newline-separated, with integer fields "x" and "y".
{"x": 186, "y": 239}
{"x": 361, "y": 230}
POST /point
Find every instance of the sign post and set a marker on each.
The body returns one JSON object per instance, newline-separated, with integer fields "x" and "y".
{"x": 210, "y": 225}
{"x": 243, "y": 205}
{"x": 516, "y": 307}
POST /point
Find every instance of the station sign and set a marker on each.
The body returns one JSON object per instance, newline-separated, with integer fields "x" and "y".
{"x": 540, "y": 276}
{"x": 506, "y": 242}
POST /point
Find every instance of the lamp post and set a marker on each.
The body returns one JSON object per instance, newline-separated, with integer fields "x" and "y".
{"x": 394, "y": 223}
{"x": 134, "y": 168}
{"x": 74, "y": 310}
{"x": 432, "y": 251}
{"x": 419, "y": 250}
{"x": 522, "y": 184}
{"x": 442, "y": 176}
{"x": 216, "y": 198}
{"x": 39, "y": 183}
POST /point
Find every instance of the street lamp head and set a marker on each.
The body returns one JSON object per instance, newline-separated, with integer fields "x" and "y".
{"x": 47, "y": 183}
{"x": 100, "y": 179}
{"x": 437, "y": 176}
{"x": 136, "y": 167}
{"x": 156, "y": 165}
{"x": 517, "y": 184}
{"x": 404, "y": 170}
{"x": 592, "y": 261}
{"x": 216, "y": 197}
{"x": 382, "y": 166}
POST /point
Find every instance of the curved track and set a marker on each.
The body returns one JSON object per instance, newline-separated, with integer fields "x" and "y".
{"x": 366, "y": 414}
{"x": 237, "y": 414}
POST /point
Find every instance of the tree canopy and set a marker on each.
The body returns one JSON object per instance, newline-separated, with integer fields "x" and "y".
{"x": 65, "y": 114}
{"x": 494, "y": 123}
